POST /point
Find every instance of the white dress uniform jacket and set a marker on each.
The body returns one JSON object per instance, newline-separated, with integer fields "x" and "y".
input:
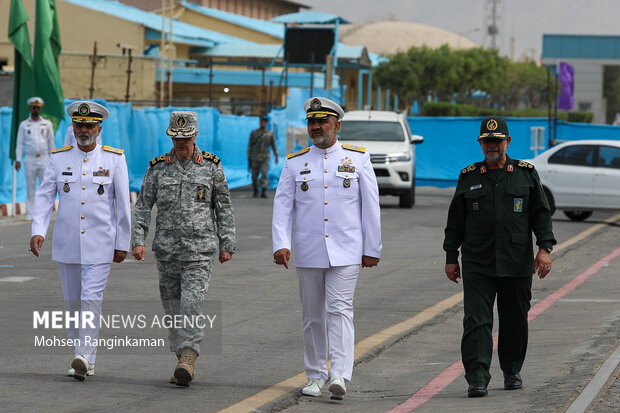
{"x": 334, "y": 197}
{"x": 89, "y": 226}
{"x": 35, "y": 139}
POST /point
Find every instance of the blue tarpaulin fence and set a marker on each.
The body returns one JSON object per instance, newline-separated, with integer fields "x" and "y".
{"x": 142, "y": 134}
{"x": 449, "y": 143}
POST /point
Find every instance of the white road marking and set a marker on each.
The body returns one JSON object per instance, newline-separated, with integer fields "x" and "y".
{"x": 16, "y": 279}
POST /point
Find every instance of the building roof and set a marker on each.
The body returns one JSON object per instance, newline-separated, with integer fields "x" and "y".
{"x": 310, "y": 17}
{"x": 181, "y": 32}
{"x": 262, "y": 26}
{"x": 389, "y": 37}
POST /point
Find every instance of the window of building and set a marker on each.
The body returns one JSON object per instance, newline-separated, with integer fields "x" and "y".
{"x": 585, "y": 106}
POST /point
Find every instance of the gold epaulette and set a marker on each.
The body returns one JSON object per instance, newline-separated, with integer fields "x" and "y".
{"x": 469, "y": 169}
{"x": 113, "y": 150}
{"x": 524, "y": 164}
{"x": 64, "y": 148}
{"x": 159, "y": 158}
{"x": 353, "y": 148}
{"x": 299, "y": 152}
{"x": 211, "y": 157}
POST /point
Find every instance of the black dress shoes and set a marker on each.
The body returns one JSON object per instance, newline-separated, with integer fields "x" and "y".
{"x": 512, "y": 381}
{"x": 477, "y": 390}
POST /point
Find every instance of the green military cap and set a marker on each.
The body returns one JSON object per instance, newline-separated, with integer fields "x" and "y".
{"x": 183, "y": 124}
{"x": 493, "y": 127}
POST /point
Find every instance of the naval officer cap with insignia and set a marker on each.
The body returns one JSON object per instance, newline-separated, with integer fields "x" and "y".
{"x": 87, "y": 117}
{"x": 35, "y": 101}
{"x": 321, "y": 108}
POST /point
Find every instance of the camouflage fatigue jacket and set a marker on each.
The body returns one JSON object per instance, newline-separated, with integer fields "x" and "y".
{"x": 194, "y": 213}
{"x": 258, "y": 146}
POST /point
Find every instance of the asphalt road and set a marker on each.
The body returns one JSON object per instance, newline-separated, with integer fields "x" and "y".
{"x": 261, "y": 340}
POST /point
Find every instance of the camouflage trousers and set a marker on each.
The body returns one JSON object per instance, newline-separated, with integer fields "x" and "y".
{"x": 263, "y": 168}
{"x": 183, "y": 288}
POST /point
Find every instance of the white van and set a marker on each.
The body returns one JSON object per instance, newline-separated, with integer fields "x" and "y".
{"x": 386, "y": 136}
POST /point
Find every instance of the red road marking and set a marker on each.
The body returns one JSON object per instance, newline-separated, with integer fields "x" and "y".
{"x": 450, "y": 374}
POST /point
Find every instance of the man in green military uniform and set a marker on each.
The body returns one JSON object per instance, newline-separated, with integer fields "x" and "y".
{"x": 497, "y": 205}
{"x": 258, "y": 156}
{"x": 194, "y": 220}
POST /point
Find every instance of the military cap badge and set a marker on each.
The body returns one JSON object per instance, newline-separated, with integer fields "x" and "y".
{"x": 492, "y": 124}
{"x": 315, "y": 104}
{"x": 181, "y": 122}
{"x": 84, "y": 109}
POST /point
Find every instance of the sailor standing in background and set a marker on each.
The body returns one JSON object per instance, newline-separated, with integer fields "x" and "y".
{"x": 35, "y": 138}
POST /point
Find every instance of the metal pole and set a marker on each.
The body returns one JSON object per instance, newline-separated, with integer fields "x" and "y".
{"x": 14, "y": 212}
{"x": 128, "y": 76}
{"x": 270, "y": 95}
{"x": 285, "y": 80}
{"x": 555, "y": 109}
{"x": 171, "y": 56}
{"x": 93, "y": 63}
{"x": 550, "y": 143}
{"x": 263, "y": 91}
{"x": 161, "y": 52}
{"x": 312, "y": 75}
{"x": 211, "y": 82}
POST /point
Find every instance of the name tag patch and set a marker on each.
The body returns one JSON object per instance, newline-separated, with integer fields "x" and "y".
{"x": 518, "y": 205}
{"x": 471, "y": 188}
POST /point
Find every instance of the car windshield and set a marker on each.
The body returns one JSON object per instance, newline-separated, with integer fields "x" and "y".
{"x": 362, "y": 130}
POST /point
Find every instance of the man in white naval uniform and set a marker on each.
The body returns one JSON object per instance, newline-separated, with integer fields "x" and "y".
{"x": 332, "y": 191}
{"x": 35, "y": 139}
{"x": 93, "y": 222}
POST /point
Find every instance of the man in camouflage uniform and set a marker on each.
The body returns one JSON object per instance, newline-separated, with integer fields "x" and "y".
{"x": 258, "y": 155}
{"x": 194, "y": 220}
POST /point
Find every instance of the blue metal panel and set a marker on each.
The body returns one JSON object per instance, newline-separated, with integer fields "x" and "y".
{"x": 196, "y": 75}
{"x": 310, "y": 17}
{"x": 369, "y": 97}
{"x": 155, "y": 35}
{"x": 560, "y": 46}
{"x": 387, "y": 99}
{"x": 379, "y": 98}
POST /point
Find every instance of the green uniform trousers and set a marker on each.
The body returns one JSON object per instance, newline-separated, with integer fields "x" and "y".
{"x": 513, "y": 303}
{"x": 261, "y": 167}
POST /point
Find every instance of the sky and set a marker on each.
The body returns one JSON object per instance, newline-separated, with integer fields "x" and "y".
{"x": 525, "y": 20}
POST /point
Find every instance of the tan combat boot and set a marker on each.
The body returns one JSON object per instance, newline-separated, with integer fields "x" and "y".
{"x": 184, "y": 373}
{"x": 173, "y": 379}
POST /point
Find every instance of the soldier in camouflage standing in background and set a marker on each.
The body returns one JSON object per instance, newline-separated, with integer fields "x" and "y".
{"x": 258, "y": 156}
{"x": 194, "y": 220}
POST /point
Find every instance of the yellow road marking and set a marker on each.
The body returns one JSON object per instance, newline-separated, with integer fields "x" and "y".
{"x": 291, "y": 384}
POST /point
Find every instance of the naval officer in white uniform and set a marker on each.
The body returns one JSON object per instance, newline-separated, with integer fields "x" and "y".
{"x": 35, "y": 140}
{"x": 93, "y": 222}
{"x": 330, "y": 190}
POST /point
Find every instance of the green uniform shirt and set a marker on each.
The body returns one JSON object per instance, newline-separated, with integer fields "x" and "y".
{"x": 259, "y": 143}
{"x": 492, "y": 216}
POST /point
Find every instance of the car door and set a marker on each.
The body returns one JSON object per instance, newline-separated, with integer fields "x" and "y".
{"x": 607, "y": 178}
{"x": 571, "y": 176}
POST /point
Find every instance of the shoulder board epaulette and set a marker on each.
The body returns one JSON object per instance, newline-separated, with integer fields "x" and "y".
{"x": 353, "y": 148}
{"x": 211, "y": 157}
{"x": 299, "y": 152}
{"x": 469, "y": 169}
{"x": 64, "y": 148}
{"x": 524, "y": 164}
{"x": 159, "y": 158}
{"x": 113, "y": 150}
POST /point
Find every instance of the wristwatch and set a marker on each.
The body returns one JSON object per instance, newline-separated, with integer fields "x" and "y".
{"x": 548, "y": 249}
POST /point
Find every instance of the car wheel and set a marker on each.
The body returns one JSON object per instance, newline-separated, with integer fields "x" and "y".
{"x": 550, "y": 199}
{"x": 407, "y": 197}
{"x": 577, "y": 215}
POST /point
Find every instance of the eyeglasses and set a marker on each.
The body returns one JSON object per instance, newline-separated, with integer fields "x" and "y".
{"x": 89, "y": 126}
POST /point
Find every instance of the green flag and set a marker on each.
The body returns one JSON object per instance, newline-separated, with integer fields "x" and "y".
{"x": 46, "y": 50}
{"x": 23, "y": 81}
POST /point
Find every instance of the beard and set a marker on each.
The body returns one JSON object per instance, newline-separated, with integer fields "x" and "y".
{"x": 494, "y": 156}
{"x": 318, "y": 141}
{"x": 86, "y": 139}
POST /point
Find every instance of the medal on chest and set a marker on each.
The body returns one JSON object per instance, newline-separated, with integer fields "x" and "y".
{"x": 346, "y": 183}
{"x": 304, "y": 186}
{"x": 100, "y": 190}
{"x": 66, "y": 187}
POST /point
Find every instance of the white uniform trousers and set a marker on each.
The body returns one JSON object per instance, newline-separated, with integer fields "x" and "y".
{"x": 327, "y": 319}
{"x": 35, "y": 167}
{"x": 82, "y": 286}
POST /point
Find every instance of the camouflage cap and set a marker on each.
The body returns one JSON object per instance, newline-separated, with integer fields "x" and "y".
{"x": 183, "y": 124}
{"x": 493, "y": 127}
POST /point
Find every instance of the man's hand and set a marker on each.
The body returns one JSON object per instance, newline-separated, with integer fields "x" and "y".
{"x": 225, "y": 256}
{"x": 453, "y": 272}
{"x": 542, "y": 263}
{"x": 119, "y": 256}
{"x": 18, "y": 165}
{"x": 36, "y": 243}
{"x": 282, "y": 256}
{"x": 368, "y": 262}
{"x": 139, "y": 252}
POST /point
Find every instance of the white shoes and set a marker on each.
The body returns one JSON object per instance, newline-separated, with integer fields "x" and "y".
{"x": 80, "y": 368}
{"x": 313, "y": 388}
{"x": 337, "y": 388}
{"x": 90, "y": 372}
